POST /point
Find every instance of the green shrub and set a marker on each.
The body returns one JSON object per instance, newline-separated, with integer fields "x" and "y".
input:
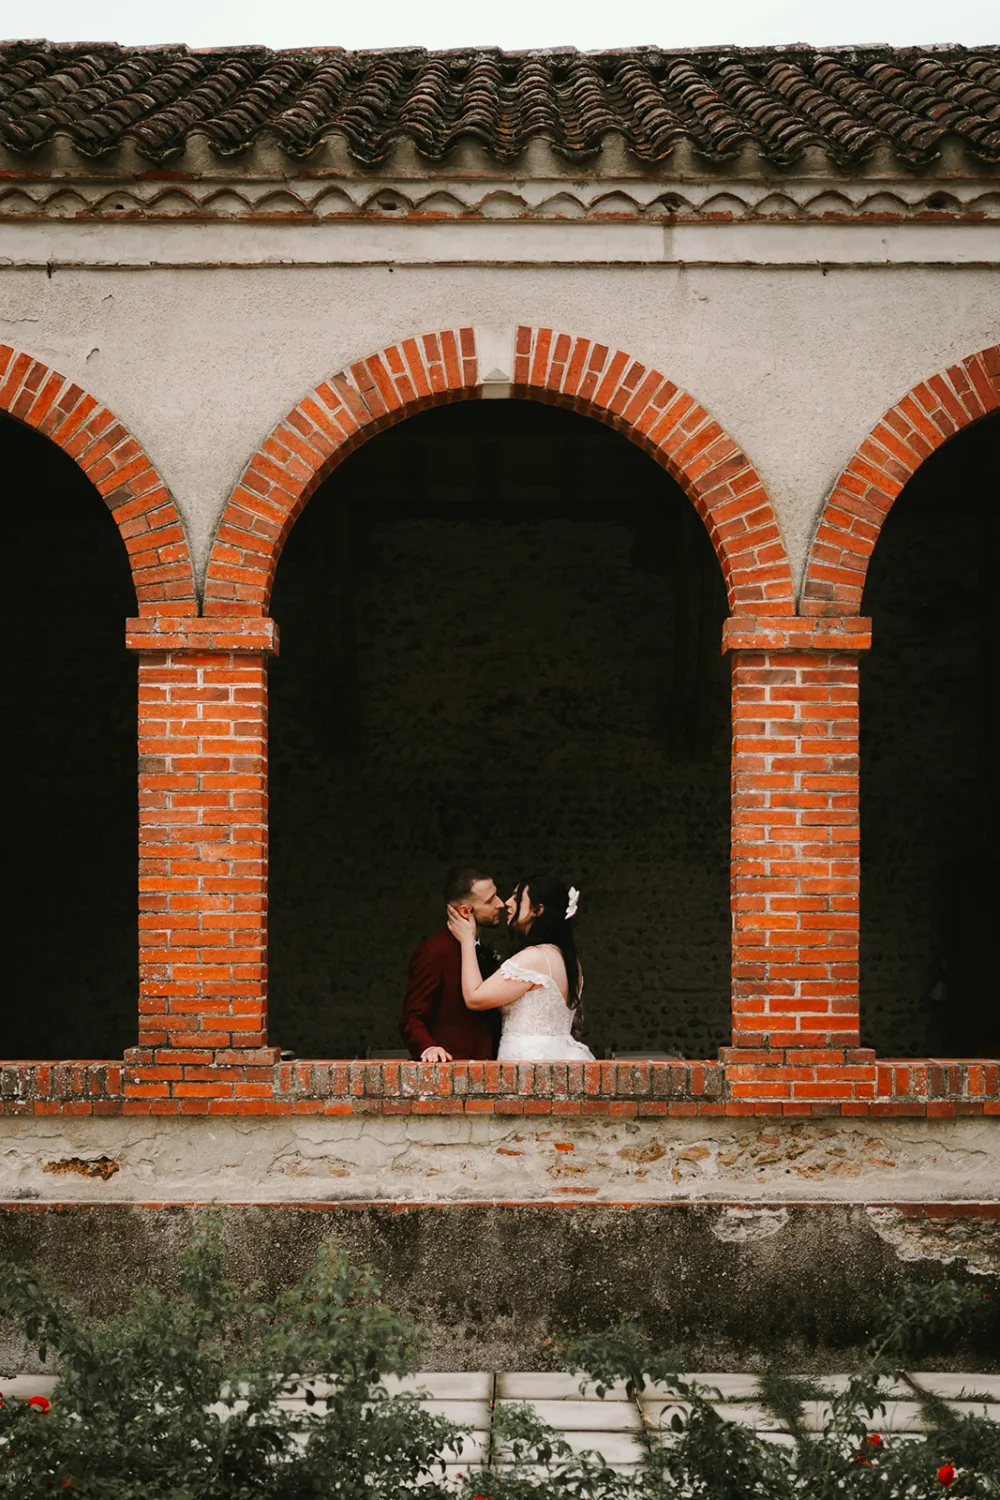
{"x": 177, "y": 1398}
{"x": 185, "y": 1397}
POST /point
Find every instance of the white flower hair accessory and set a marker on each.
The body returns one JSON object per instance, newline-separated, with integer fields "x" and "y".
{"x": 574, "y": 902}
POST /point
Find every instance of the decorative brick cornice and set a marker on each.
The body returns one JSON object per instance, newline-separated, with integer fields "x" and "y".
{"x": 218, "y": 634}
{"x": 263, "y": 193}
{"x": 116, "y": 464}
{"x": 862, "y": 497}
{"x": 803, "y": 633}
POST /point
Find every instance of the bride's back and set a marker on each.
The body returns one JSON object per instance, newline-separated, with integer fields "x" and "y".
{"x": 546, "y": 960}
{"x": 538, "y": 1026}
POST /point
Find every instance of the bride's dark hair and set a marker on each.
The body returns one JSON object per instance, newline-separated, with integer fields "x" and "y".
{"x": 551, "y": 926}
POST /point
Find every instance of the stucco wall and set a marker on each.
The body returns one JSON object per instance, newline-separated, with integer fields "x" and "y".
{"x": 490, "y": 1158}
{"x": 797, "y": 360}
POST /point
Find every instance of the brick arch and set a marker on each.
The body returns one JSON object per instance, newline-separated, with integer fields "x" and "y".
{"x": 862, "y": 497}
{"x": 560, "y": 368}
{"x": 118, "y": 467}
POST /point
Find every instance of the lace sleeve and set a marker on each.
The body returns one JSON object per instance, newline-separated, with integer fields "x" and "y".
{"x": 510, "y": 969}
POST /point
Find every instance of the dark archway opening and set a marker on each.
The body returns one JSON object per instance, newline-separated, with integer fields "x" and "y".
{"x": 929, "y": 762}
{"x": 500, "y": 642}
{"x": 70, "y": 950}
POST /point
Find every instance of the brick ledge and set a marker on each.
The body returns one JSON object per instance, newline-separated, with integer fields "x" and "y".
{"x": 806, "y": 1083}
{"x": 218, "y": 635}
{"x": 797, "y": 633}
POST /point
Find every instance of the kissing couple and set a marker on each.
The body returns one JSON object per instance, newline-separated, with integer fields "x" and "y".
{"x": 459, "y": 989}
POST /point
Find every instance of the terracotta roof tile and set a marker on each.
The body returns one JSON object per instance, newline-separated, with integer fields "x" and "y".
{"x": 845, "y": 101}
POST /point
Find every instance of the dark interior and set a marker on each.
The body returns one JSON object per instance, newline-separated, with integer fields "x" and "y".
{"x": 929, "y": 761}
{"x": 70, "y": 946}
{"x": 500, "y": 627}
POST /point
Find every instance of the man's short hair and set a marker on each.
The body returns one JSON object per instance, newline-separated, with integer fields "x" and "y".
{"x": 459, "y": 881}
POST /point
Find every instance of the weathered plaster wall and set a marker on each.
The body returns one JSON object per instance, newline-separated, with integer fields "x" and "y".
{"x": 490, "y": 1158}
{"x": 730, "y": 1287}
{"x": 796, "y": 360}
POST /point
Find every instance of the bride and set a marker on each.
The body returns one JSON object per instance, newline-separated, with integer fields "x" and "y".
{"x": 533, "y": 989}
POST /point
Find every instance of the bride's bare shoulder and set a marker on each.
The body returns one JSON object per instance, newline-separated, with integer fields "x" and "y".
{"x": 530, "y": 958}
{"x": 545, "y": 957}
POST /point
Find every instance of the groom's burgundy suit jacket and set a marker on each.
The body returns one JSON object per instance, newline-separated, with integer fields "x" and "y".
{"x": 434, "y": 1013}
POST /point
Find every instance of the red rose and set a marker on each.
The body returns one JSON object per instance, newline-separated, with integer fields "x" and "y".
{"x": 40, "y": 1403}
{"x": 946, "y": 1474}
{"x": 871, "y": 1443}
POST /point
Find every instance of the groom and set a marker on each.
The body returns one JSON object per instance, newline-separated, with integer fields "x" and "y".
{"x": 436, "y": 1025}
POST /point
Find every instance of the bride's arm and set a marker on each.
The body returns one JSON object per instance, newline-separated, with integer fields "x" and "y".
{"x": 477, "y": 992}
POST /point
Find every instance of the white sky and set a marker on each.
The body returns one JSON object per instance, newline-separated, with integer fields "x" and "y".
{"x": 511, "y": 23}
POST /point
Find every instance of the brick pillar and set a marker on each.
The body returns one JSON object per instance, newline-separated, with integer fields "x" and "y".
{"x": 203, "y": 856}
{"x": 795, "y": 860}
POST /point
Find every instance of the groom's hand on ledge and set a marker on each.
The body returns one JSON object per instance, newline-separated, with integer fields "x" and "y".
{"x": 435, "y": 1054}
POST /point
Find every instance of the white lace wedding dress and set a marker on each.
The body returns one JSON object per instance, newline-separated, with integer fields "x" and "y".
{"x": 538, "y": 1026}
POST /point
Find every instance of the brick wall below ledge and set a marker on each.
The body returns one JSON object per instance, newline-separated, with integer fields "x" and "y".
{"x": 852, "y": 1083}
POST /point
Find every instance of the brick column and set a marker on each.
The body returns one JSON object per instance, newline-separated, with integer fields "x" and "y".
{"x": 795, "y": 860}
{"x": 203, "y": 856}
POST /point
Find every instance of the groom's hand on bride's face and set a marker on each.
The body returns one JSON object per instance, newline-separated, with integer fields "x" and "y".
{"x": 435, "y": 1054}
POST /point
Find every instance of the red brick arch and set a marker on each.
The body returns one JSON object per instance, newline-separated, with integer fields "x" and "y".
{"x": 116, "y": 464}
{"x": 910, "y": 431}
{"x": 578, "y": 372}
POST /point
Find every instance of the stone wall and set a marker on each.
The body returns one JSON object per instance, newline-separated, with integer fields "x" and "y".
{"x": 730, "y": 1288}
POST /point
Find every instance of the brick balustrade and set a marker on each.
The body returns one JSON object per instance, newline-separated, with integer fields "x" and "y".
{"x": 916, "y": 1086}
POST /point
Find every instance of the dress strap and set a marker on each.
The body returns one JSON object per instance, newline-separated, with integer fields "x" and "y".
{"x": 544, "y": 948}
